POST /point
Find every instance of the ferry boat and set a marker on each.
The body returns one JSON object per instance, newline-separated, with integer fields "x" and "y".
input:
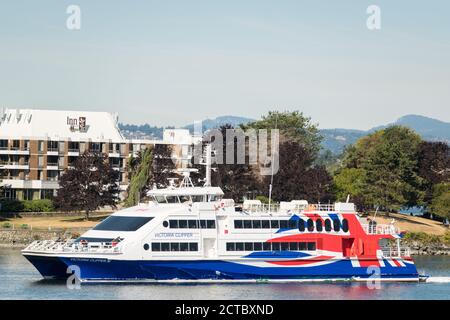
{"x": 193, "y": 234}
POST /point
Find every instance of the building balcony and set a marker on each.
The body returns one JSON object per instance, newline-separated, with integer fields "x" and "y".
{"x": 14, "y": 152}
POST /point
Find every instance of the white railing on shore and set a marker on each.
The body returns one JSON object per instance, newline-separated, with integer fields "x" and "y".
{"x": 380, "y": 229}
{"x": 396, "y": 252}
{"x": 52, "y": 246}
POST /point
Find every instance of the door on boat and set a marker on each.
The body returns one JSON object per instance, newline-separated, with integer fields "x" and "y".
{"x": 347, "y": 244}
{"x": 209, "y": 248}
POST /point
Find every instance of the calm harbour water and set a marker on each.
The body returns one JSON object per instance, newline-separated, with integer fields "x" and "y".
{"x": 19, "y": 280}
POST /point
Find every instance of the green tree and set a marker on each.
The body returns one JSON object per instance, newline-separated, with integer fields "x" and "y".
{"x": 294, "y": 126}
{"x": 89, "y": 185}
{"x": 388, "y": 159}
{"x": 440, "y": 204}
{"x": 353, "y": 182}
{"x": 140, "y": 176}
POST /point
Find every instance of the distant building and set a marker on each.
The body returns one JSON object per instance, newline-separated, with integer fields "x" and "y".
{"x": 37, "y": 145}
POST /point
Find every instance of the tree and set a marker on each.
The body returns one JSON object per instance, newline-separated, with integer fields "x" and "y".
{"x": 353, "y": 182}
{"x": 297, "y": 178}
{"x": 89, "y": 185}
{"x": 440, "y": 204}
{"x": 163, "y": 166}
{"x": 139, "y": 174}
{"x": 151, "y": 167}
{"x": 388, "y": 159}
{"x": 433, "y": 166}
{"x": 293, "y": 126}
{"x": 236, "y": 180}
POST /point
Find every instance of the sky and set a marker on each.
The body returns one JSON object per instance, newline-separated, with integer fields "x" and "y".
{"x": 174, "y": 62}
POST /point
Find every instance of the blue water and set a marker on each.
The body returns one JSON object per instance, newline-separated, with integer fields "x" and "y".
{"x": 19, "y": 280}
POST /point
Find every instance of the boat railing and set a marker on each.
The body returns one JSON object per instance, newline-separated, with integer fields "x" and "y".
{"x": 396, "y": 252}
{"x": 275, "y": 208}
{"x": 380, "y": 229}
{"x": 70, "y": 246}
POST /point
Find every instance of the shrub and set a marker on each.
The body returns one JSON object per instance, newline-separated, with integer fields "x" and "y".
{"x": 263, "y": 199}
{"x": 7, "y": 225}
{"x": 43, "y": 205}
{"x": 24, "y": 226}
{"x": 11, "y": 206}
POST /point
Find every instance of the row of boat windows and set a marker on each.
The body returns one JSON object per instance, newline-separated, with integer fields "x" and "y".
{"x": 172, "y": 246}
{"x": 190, "y": 224}
{"x": 302, "y": 225}
{"x": 271, "y": 246}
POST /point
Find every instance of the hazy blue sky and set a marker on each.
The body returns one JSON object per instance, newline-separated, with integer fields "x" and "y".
{"x": 173, "y": 62}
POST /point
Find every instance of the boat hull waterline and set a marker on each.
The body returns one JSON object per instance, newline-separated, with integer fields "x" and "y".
{"x": 109, "y": 270}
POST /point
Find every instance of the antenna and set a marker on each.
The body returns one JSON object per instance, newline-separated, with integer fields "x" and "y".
{"x": 271, "y": 165}
{"x": 208, "y": 165}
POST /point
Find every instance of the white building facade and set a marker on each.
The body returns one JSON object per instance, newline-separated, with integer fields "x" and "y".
{"x": 36, "y": 146}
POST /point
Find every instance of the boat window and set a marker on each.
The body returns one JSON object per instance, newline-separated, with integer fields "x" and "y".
{"x": 198, "y": 198}
{"x": 202, "y": 224}
{"x": 238, "y": 224}
{"x": 231, "y": 246}
{"x": 274, "y": 224}
{"x": 301, "y": 225}
{"x": 345, "y": 225}
{"x": 283, "y": 224}
{"x": 247, "y": 224}
{"x": 336, "y": 225}
{"x": 270, "y": 246}
{"x": 172, "y": 199}
{"x": 121, "y": 223}
{"x": 173, "y": 224}
{"x": 310, "y": 225}
{"x": 256, "y": 224}
{"x": 265, "y": 224}
{"x": 210, "y": 224}
{"x": 160, "y": 199}
{"x": 292, "y": 224}
{"x": 165, "y": 224}
{"x": 174, "y": 246}
{"x": 184, "y": 199}
{"x": 89, "y": 239}
{"x": 327, "y": 225}
{"x": 319, "y": 225}
{"x": 192, "y": 224}
{"x": 146, "y": 247}
{"x": 182, "y": 224}
{"x": 257, "y": 246}
{"x": 214, "y": 197}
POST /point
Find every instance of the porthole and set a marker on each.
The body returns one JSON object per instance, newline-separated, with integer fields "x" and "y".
{"x": 310, "y": 225}
{"x": 345, "y": 225}
{"x": 146, "y": 247}
{"x": 165, "y": 224}
{"x": 327, "y": 225}
{"x": 319, "y": 225}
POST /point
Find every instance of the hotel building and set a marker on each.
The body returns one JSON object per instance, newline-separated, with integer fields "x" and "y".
{"x": 36, "y": 146}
